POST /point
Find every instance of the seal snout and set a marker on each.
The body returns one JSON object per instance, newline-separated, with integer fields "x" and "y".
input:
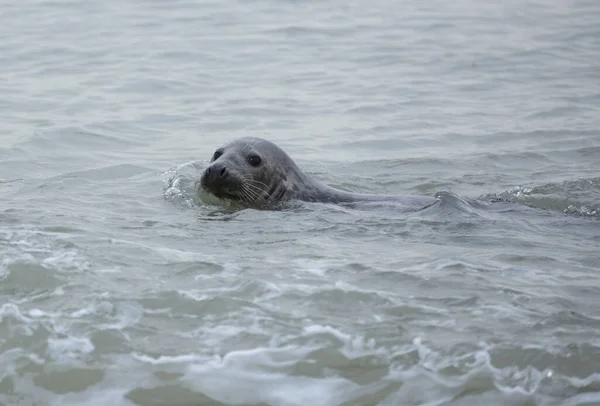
{"x": 217, "y": 171}
{"x": 218, "y": 178}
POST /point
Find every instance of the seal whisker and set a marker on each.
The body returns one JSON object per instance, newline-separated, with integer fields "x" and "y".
{"x": 252, "y": 195}
{"x": 254, "y": 187}
{"x": 239, "y": 191}
{"x": 261, "y": 190}
{"x": 244, "y": 196}
{"x": 250, "y": 183}
{"x": 248, "y": 193}
{"x": 250, "y": 180}
{"x": 255, "y": 192}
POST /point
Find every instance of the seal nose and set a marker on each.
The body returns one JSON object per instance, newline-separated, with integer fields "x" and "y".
{"x": 217, "y": 171}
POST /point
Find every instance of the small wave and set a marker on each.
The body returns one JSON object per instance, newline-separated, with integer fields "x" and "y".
{"x": 450, "y": 202}
{"x": 179, "y": 256}
{"x": 28, "y": 245}
{"x": 579, "y": 197}
{"x": 111, "y": 173}
{"x": 66, "y": 137}
{"x": 8, "y": 182}
{"x": 347, "y": 368}
{"x": 262, "y": 375}
{"x": 169, "y": 359}
{"x": 12, "y": 311}
{"x": 319, "y": 365}
{"x": 179, "y": 185}
{"x": 69, "y": 347}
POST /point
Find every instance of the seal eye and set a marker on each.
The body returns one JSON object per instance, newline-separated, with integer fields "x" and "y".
{"x": 216, "y": 155}
{"x": 254, "y": 160}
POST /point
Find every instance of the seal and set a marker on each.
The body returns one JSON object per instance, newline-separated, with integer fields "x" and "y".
{"x": 257, "y": 173}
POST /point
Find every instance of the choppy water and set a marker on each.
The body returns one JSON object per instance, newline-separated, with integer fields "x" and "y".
{"x": 119, "y": 287}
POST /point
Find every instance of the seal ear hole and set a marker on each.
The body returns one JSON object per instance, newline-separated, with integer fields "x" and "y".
{"x": 254, "y": 160}
{"x": 216, "y": 155}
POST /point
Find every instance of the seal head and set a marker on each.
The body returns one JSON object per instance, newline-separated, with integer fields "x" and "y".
{"x": 256, "y": 172}
{"x": 251, "y": 171}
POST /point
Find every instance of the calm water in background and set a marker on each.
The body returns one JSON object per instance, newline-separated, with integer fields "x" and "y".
{"x": 118, "y": 286}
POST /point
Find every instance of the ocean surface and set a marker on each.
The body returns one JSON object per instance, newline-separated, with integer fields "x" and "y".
{"x": 120, "y": 285}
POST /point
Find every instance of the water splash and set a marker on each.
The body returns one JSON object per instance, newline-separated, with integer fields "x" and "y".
{"x": 579, "y": 197}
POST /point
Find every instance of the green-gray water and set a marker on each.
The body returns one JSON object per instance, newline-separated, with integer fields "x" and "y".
{"x": 119, "y": 287}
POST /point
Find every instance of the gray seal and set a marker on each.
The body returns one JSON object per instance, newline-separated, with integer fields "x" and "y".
{"x": 257, "y": 173}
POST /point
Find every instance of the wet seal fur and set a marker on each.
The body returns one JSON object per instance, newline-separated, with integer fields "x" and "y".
{"x": 257, "y": 173}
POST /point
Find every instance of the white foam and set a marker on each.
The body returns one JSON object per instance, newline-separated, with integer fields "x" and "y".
{"x": 69, "y": 259}
{"x": 36, "y": 313}
{"x": 100, "y": 308}
{"x": 128, "y": 314}
{"x": 164, "y": 310}
{"x": 179, "y": 256}
{"x": 276, "y": 357}
{"x": 352, "y": 346}
{"x": 425, "y": 383}
{"x": 70, "y": 347}
{"x": 171, "y": 255}
{"x": 41, "y": 295}
{"x": 165, "y": 359}
{"x": 222, "y": 331}
{"x": 262, "y": 375}
{"x": 14, "y": 258}
{"x": 193, "y": 294}
{"x": 30, "y": 246}
{"x": 36, "y": 359}
{"x": 314, "y": 267}
{"x": 27, "y": 322}
{"x": 100, "y": 397}
{"x": 311, "y": 268}
{"x": 587, "y": 381}
{"x": 10, "y": 310}
{"x": 82, "y": 312}
{"x": 319, "y": 329}
{"x": 109, "y": 270}
{"x": 583, "y": 210}
{"x": 582, "y": 399}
